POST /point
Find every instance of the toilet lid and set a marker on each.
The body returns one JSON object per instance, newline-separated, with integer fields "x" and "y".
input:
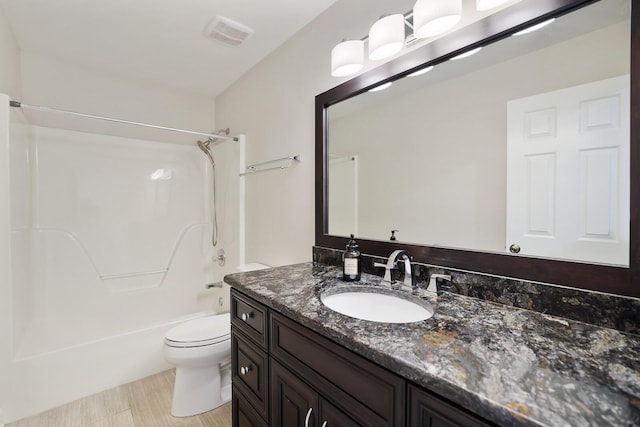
{"x": 198, "y": 332}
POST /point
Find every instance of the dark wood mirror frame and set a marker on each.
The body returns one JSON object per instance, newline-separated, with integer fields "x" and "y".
{"x": 610, "y": 279}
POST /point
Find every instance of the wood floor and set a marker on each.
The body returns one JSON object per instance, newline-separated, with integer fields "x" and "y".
{"x": 144, "y": 403}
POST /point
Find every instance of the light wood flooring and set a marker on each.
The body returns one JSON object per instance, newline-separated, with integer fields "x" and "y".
{"x": 144, "y": 403}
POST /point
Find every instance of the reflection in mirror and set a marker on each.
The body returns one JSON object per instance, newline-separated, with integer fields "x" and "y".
{"x": 524, "y": 145}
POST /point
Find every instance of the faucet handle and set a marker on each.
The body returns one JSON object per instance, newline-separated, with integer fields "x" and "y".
{"x": 213, "y": 285}
{"x": 433, "y": 284}
{"x": 390, "y": 266}
{"x": 387, "y": 270}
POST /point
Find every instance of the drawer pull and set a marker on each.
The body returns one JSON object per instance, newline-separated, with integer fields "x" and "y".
{"x": 247, "y": 316}
{"x": 244, "y": 370}
{"x": 306, "y": 420}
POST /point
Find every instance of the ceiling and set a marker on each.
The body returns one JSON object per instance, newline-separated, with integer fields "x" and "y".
{"x": 157, "y": 40}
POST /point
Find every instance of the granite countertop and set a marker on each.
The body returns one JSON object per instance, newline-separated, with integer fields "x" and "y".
{"x": 508, "y": 365}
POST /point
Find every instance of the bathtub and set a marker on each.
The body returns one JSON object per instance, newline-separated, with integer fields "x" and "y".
{"x": 108, "y": 246}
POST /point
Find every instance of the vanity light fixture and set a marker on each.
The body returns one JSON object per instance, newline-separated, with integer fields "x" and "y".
{"x": 386, "y": 37}
{"x": 467, "y": 54}
{"x": 489, "y": 4}
{"x": 434, "y": 17}
{"x": 421, "y": 72}
{"x": 534, "y": 27}
{"x": 380, "y": 87}
{"x": 347, "y": 58}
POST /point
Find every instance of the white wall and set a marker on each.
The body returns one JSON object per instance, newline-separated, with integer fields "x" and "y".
{"x": 273, "y": 104}
{"x": 53, "y": 83}
{"x": 9, "y": 84}
{"x": 10, "y": 80}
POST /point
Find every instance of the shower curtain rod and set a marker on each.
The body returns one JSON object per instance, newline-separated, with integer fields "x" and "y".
{"x": 17, "y": 104}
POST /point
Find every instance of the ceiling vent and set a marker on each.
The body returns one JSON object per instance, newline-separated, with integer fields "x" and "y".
{"x": 227, "y": 31}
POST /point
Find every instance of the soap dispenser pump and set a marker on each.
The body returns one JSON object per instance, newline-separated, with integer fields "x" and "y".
{"x": 351, "y": 266}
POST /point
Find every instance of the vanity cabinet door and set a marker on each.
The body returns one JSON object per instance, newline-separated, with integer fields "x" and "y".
{"x": 330, "y": 416}
{"x": 293, "y": 402}
{"x": 243, "y": 414}
{"x": 371, "y": 395}
{"x": 427, "y": 410}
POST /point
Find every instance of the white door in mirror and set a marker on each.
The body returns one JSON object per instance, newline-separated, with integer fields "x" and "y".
{"x": 568, "y": 173}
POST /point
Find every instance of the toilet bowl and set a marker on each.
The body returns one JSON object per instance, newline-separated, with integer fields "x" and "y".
{"x": 201, "y": 351}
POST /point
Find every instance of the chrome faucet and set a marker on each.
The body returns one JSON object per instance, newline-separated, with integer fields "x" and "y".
{"x": 392, "y": 264}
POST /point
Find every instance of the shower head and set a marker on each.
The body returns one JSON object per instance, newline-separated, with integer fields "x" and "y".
{"x": 204, "y": 145}
{"x": 209, "y": 143}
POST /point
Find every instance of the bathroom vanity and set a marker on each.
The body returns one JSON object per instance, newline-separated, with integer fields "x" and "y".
{"x": 312, "y": 381}
{"x": 296, "y": 362}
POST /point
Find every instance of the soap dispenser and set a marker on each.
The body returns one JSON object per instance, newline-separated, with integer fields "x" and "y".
{"x": 351, "y": 266}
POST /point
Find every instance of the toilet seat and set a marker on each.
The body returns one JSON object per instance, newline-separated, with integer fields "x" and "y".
{"x": 200, "y": 332}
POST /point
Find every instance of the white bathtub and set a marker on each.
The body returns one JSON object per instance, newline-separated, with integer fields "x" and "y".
{"x": 109, "y": 246}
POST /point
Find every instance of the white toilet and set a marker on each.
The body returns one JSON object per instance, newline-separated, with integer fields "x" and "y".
{"x": 201, "y": 351}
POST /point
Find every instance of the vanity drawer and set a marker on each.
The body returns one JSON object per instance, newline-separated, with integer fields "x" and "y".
{"x": 250, "y": 371}
{"x": 250, "y": 317}
{"x": 362, "y": 389}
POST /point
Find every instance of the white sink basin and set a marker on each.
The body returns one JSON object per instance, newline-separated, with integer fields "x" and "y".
{"x": 377, "y": 305}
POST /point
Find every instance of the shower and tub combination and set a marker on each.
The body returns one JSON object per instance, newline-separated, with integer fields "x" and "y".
{"x": 107, "y": 243}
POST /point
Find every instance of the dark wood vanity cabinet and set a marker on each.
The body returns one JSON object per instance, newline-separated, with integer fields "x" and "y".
{"x": 295, "y": 403}
{"x": 343, "y": 388}
{"x": 286, "y": 375}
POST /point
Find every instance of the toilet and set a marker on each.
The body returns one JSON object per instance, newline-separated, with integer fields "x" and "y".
{"x": 201, "y": 351}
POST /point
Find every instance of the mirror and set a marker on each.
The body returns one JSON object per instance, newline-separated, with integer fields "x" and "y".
{"x": 428, "y": 155}
{"x": 460, "y": 159}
